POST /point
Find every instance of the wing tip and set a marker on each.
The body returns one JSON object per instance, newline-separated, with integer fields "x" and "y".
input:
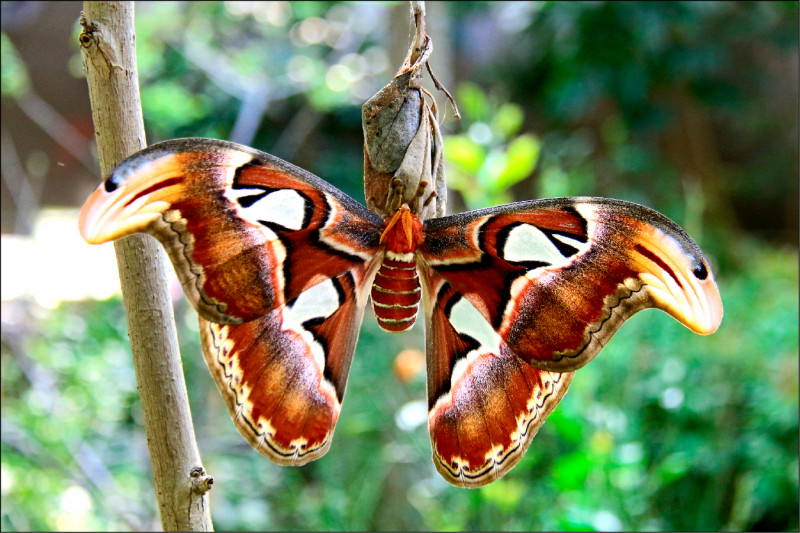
{"x": 710, "y": 318}
{"x": 90, "y": 218}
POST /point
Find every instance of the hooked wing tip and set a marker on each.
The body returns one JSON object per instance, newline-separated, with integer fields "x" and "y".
{"x": 90, "y": 218}
{"x": 712, "y": 317}
{"x": 136, "y": 192}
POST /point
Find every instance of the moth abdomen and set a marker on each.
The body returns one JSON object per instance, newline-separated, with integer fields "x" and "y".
{"x": 396, "y": 292}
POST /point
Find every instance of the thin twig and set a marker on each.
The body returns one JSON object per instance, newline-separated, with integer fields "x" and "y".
{"x": 421, "y": 50}
{"x": 444, "y": 90}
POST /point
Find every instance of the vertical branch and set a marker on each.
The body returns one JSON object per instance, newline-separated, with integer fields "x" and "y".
{"x": 109, "y": 60}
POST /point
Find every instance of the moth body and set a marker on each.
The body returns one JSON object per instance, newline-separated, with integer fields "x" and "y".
{"x": 396, "y": 290}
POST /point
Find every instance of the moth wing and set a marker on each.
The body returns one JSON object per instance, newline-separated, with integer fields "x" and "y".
{"x": 245, "y": 231}
{"x": 283, "y": 376}
{"x": 278, "y": 264}
{"x": 556, "y": 278}
{"x": 485, "y": 403}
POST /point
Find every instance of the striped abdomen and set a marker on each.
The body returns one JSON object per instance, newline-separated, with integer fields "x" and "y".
{"x": 396, "y": 292}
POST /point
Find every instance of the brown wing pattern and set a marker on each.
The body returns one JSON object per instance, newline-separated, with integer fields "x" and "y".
{"x": 517, "y": 297}
{"x": 245, "y": 231}
{"x": 283, "y": 376}
{"x": 485, "y": 403}
{"x": 556, "y": 278}
{"x": 277, "y": 263}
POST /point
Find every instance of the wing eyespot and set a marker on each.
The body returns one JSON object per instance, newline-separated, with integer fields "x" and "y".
{"x": 700, "y": 271}
{"x": 110, "y": 185}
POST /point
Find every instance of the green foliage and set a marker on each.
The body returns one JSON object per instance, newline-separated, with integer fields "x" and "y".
{"x": 14, "y": 79}
{"x": 70, "y": 408}
{"x": 493, "y": 156}
{"x": 244, "y": 63}
{"x": 646, "y": 100}
{"x": 173, "y": 104}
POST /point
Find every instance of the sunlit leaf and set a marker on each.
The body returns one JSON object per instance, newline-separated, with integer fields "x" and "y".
{"x": 505, "y": 496}
{"x": 521, "y": 157}
{"x": 472, "y": 101}
{"x": 171, "y": 104}
{"x": 463, "y": 152}
{"x": 508, "y": 119}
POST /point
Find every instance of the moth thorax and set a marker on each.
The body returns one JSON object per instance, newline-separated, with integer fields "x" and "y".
{"x": 396, "y": 292}
{"x": 402, "y": 232}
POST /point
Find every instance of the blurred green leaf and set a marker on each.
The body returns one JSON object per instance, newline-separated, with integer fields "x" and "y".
{"x": 13, "y": 73}
{"x": 568, "y": 429}
{"x": 570, "y": 471}
{"x": 171, "y": 104}
{"x": 522, "y": 155}
{"x": 472, "y": 101}
{"x": 508, "y": 119}
{"x": 506, "y": 496}
{"x": 554, "y": 183}
{"x": 466, "y": 154}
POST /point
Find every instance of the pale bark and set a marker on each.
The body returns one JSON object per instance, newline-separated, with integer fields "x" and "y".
{"x": 109, "y": 60}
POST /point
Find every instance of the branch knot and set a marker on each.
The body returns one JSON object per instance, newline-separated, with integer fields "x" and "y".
{"x": 201, "y": 483}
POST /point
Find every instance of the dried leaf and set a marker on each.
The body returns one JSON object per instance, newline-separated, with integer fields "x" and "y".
{"x": 403, "y": 144}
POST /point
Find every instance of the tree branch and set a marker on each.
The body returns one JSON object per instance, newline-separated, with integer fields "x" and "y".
{"x": 109, "y": 60}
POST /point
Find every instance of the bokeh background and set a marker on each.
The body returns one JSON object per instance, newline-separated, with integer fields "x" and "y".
{"x": 688, "y": 107}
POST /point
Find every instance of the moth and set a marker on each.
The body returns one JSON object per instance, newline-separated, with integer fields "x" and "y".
{"x": 280, "y": 266}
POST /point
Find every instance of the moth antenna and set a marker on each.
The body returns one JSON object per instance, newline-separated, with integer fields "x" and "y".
{"x": 399, "y": 188}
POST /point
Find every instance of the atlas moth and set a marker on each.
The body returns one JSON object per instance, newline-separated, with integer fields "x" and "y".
{"x": 280, "y": 266}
